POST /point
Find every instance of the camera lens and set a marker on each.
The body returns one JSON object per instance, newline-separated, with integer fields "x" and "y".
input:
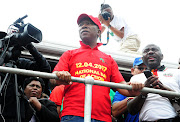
{"x": 105, "y": 15}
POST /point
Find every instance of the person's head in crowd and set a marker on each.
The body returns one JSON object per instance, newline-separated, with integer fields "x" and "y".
{"x": 107, "y": 8}
{"x": 138, "y": 66}
{"x": 33, "y": 87}
{"x": 152, "y": 56}
{"x": 89, "y": 29}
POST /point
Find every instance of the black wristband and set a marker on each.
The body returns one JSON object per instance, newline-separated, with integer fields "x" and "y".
{"x": 143, "y": 96}
{"x": 109, "y": 26}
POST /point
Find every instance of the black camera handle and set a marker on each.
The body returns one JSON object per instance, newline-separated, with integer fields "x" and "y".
{"x": 20, "y": 19}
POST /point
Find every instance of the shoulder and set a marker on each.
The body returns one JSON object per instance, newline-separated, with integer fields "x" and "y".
{"x": 118, "y": 97}
{"x": 117, "y": 17}
{"x": 58, "y": 89}
{"x": 103, "y": 54}
{"x": 171, "y": 72}
{"x": 69, "y": 53}
{"x": 138, "y": 78}
{"x": 46, "y": 102}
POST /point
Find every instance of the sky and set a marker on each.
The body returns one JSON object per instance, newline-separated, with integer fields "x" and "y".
{"x": 155, "y": 21}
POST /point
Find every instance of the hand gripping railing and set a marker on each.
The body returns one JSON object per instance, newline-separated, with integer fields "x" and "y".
{"x": 89, "y": 82}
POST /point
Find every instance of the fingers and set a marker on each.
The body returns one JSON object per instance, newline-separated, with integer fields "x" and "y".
{"x": 137, "y": 86}
{"x": 151, "y": 81}
{"x": 64, "y": 76}
{"x": 100, "y": 18}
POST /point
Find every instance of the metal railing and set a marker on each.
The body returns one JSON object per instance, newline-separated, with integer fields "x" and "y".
{"x": 89, "y": 82}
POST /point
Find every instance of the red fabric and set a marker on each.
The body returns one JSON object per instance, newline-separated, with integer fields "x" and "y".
{"x": 57, "y": 95}
{"x": 154, "y": 71}
{"x": 84, "y": 62}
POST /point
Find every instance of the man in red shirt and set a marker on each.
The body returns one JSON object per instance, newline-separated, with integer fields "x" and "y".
{"x": 88, "y": 61}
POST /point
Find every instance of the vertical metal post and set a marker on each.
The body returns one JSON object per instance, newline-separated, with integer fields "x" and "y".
{"x": 88, "y": 98}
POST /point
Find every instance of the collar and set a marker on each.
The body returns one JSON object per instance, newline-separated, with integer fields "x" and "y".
{"x": 162, "y": 68}
{"x": 84, "y": 46}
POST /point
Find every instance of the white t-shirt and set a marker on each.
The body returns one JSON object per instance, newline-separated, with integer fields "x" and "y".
{"x": 157, "y": 107}
{"x": 118, "y": 23}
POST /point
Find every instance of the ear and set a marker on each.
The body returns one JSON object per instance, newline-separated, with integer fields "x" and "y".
{"x": 98, "y": 32}
{"x": 132, "y": 71}
{"x": 162, "y": 56}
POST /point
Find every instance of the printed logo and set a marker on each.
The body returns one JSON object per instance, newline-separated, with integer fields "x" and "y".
{"x": 102, "y": 60}
{"x": 168, "y": 75}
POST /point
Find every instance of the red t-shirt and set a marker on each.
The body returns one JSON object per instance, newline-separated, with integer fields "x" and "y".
{"x": 57, "y": 95}
{"x": 84, "y": 62}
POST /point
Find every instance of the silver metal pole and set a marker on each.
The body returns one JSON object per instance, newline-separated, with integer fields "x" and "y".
{"x": 88, "y": 98}
{"x": 82, "y": 80}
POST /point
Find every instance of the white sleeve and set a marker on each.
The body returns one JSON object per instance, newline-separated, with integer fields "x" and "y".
{"x": 138, "y": 78}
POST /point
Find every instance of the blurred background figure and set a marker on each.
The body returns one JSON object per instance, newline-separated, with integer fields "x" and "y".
{"x": 56, "y": 96}
{"x": 150, "y": 106}
{"x": 38, "y": 110}
{"x": 129, "y": 41}
{"x": 119, "y": 107}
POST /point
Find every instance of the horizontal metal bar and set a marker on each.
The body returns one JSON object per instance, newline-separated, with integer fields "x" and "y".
{"x": 82, "y": 80}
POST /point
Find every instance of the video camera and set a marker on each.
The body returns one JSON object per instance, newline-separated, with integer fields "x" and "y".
{"x": 18, "y": 36}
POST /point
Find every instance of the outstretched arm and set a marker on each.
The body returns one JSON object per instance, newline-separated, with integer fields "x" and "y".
{"x": 119, "y": 105}
{"x": 135, "y": 105}
{"x": 40, "y": 64}
{"x": 136, "y": 87}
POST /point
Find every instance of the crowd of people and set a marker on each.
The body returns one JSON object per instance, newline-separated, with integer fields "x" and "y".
{"x": 65, "y": 103}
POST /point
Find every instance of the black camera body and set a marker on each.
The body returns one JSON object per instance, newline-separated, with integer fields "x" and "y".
{"x": 20, "y": 34}
{"x": 105, "y": 15}
{"x": 29, "y": 34}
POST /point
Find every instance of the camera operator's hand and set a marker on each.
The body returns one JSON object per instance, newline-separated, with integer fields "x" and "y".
{"x": 103, "y": 21}
{"x": 101, "y": 18}
{"x": 35, "y": 103}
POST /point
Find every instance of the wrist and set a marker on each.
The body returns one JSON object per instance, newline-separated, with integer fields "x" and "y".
{"x": 109, "y": 26}
{"x": 129, "y": 98}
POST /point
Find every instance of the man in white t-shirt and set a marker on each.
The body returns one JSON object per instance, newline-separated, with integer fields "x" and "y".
{"x": 154, "y": 107}
{"x": 129, "y": 41}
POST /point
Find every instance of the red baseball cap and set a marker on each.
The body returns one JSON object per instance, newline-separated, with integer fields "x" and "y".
{"x": 94, "y": 19}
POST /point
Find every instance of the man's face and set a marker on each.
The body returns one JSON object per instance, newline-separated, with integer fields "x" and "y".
{"x": 33, "y": 89}
{"x": 88, "y": 31}
{"x": 152, "y": 56}
{"x": 138, "y": 69}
